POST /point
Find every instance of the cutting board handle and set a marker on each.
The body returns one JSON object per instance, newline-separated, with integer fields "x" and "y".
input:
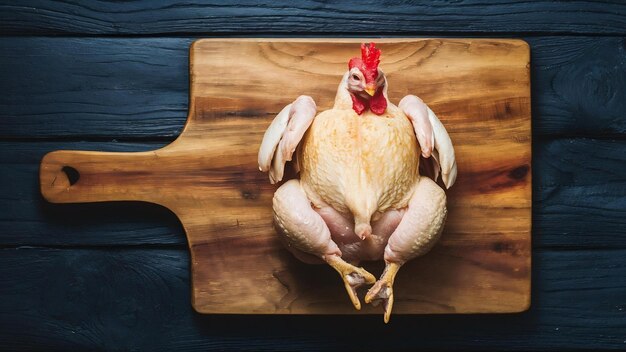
{"x": 68, "y": 176}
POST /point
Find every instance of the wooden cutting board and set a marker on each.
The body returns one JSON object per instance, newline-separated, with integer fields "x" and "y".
{"x": 479, "y": 88}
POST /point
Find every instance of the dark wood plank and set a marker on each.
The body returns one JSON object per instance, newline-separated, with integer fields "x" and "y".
{"x": 579, "y": 198}
{"x": 127, "y": 88}
{"x": 93, "y": 87}
{"x": 374, "y": 17}
{"x": 122, "y": 299}
{"x": 578, "y": 86}
{"x": 579, "y": 193}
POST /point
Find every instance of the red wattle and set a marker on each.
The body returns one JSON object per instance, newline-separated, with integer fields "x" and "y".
{"x": 358, "y": 105}
{"x": 378, "y": 103}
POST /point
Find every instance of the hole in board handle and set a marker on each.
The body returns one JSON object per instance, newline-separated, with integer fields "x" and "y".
{"x": 72, "y": 174}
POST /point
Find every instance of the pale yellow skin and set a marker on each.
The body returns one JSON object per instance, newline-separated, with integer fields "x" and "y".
{"x": 359, "y": 164}
{"x": 360, "y": 195}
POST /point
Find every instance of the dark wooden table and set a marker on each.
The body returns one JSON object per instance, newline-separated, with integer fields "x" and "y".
{"x": 114, "y": 76}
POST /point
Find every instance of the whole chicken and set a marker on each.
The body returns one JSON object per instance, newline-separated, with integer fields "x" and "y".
{"x": 360, "y": 195}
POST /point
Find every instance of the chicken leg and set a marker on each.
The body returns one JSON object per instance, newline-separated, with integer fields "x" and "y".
{"x": 304, "y": 230}
{"x": 415, "y": 235}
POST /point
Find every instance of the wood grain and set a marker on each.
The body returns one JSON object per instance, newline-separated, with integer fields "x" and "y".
{"x": 373, "y": 17}
{"x": 209, "y": 179}
{"x": 105, "y": 88}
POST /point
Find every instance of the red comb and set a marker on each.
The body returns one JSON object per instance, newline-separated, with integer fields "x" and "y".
{"x": 370, "y": 56}
{"x": 368, "y": 63}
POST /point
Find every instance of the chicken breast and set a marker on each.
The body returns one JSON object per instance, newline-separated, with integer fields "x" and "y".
{"x": 359, "y": 164}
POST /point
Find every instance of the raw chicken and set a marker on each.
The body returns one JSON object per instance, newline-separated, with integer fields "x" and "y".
{"x": 360, "y": 195}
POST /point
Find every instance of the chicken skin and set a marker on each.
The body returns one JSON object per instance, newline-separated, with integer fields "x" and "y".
{"x": 360, "y": 195}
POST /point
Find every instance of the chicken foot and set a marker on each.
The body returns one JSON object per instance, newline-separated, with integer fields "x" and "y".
{"x": 383, "y": 289}
{"x": 353, "y": 277}
{"x": 415, "y": 235}
{"x": 305, "y": 232}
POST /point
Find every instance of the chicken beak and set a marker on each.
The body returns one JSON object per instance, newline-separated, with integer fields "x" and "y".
{"x": 371, "y": 90}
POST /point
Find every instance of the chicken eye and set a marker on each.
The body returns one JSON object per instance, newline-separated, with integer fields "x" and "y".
{"x": 356, "y": 78}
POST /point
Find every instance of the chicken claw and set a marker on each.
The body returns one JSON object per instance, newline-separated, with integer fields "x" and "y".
{"x": 353, "y": 277}
{"x": 383, "y": 289}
